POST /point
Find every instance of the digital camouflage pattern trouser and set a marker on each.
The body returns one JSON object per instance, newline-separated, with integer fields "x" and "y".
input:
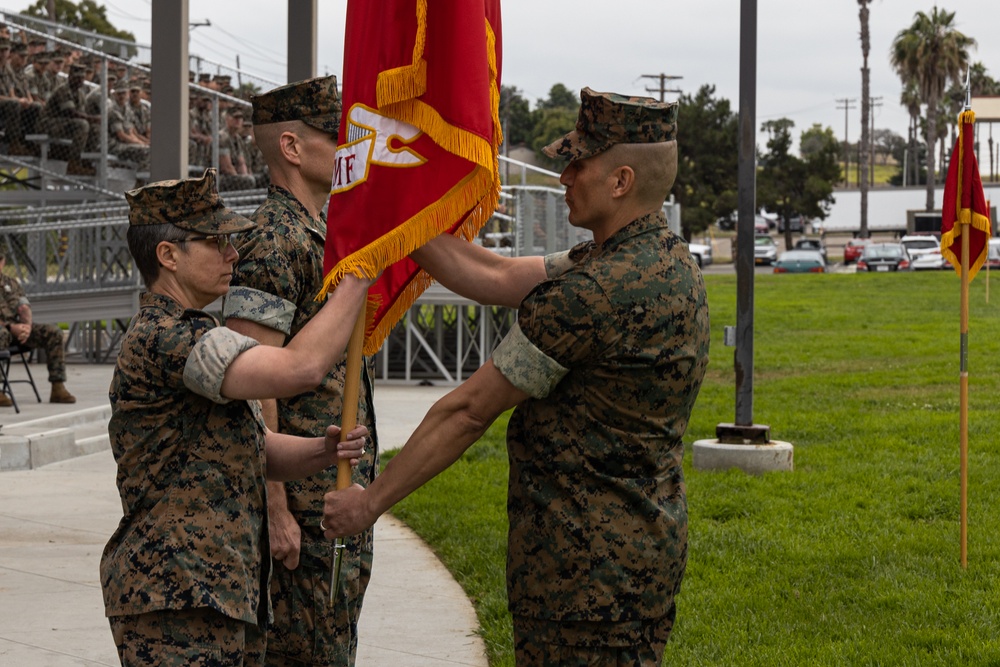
{"x": 539, "y": 643}
{"x": 187, "y": 637}
{"x": 47, "y": 337}
{"x": 306, "y": 630}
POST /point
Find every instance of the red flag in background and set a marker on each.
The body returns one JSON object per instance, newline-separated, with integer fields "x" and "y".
{"x": 964, "y": 209}
{"x": 418, "y": 144}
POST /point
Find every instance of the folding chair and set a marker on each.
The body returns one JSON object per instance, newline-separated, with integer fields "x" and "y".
{"x": 5, "y": 358}
{"x": 4, "y": 367}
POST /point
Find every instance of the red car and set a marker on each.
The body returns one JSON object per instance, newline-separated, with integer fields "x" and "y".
{"x": 854, "y": 248}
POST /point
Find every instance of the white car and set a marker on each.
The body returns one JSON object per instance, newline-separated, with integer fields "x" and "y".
{"x": 702, "y": 253}
{"x": 925, "y": 252}
{"x": 765, "y": 250}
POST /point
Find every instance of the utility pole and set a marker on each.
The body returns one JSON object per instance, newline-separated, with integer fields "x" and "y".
{"x": 846, "y": 104}
{"x": 663, "y": 78}
{"x": 875, "y": 102}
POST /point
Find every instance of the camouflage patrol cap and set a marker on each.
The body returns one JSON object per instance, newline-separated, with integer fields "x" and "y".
{"x": 607, "y": 119}
{"x": 4, "y": 43}
{"x": 191, "y": 203}
{"x": 315, "y": 102}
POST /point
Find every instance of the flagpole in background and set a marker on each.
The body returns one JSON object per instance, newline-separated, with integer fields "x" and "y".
{"x": 963, "y": 409}
{"x": 965, "y": 233}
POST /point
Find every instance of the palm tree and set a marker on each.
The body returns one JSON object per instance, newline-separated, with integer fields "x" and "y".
{"x": 865, "y": 106}
{"x": 931, "y": 52}
{"x": 910, "y": 98}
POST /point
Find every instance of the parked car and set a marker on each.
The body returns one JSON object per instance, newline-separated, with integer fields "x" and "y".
{"x": 765, "y": 251}
{"x": 930, "y": 261}
{"x": 854, "y": 248}
{"x": 884, "y": 257}
{"x": 761, "y": 225}
{"x": 702, "y": 253}
{"x": 800, "y": 261}
{"x": 812, "y": 244}
{"x": 796, "y": 223}
{"x": 925, "y": 252}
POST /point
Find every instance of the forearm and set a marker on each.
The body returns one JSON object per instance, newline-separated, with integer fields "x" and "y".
{"x": 290, "y": 457}
{"x": 277, "y": 499}
{"x": 477, "y": 273}
{"x": 445, "y": 433}
{"x": 450, "y": 427}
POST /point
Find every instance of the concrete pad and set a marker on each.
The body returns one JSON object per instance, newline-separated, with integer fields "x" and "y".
{"x": 753, "y": 459}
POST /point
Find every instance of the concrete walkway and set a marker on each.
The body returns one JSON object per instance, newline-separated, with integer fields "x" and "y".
{"x": 56, "y": 518}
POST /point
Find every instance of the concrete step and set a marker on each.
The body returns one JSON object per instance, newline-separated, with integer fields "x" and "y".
{"x": 38, "y": 442}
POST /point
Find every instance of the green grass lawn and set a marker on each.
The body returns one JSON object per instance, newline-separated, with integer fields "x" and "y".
{"x": 853, "y": 558}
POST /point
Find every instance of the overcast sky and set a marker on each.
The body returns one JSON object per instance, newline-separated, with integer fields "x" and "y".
{"x": 808, "y": 51}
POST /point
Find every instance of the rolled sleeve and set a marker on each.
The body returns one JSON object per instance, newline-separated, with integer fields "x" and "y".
{"x": 247, "y": 303}
{"x": 558, "y": 263}
{"x": 210, "y": 357}
{"x": 525, "y": 366}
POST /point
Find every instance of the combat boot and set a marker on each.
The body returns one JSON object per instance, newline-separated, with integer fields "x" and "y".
{"x": 5, "y": 401}
{"x": 60, "y": 395}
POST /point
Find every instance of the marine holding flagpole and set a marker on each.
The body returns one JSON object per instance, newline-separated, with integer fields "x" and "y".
{"x": 185, "y": 574}
{"x": 604, "y": 366}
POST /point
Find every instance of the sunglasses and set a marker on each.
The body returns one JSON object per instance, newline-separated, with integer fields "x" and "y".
{"x": 223, "y": 240}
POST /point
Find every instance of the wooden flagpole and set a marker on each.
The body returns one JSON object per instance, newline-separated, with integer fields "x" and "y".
{"x": 988, "y": 259}
{"x": 964, "y": 403}
{"x": 348, "y": 420}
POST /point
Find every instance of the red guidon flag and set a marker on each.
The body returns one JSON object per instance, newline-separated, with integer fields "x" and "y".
{"x": 418, "y": 143}
{"x": 964, "y": 208}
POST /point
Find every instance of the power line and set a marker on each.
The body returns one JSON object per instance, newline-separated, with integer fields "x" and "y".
{"x": 846, "y": 104}
{"x": 663, "y": 78}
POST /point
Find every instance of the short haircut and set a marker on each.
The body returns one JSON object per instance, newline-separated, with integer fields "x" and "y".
{"x": 654, "y": 164}
{"x": 142, "y": 242}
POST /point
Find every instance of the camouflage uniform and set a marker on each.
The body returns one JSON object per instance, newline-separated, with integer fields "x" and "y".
{"x": 185, "y": 575}
{"x": 612, "y": 348}
{"x": 137, "y": 153}
{"x": 275, "y": 283}
{"x": 232, "y": 144}
{"x": 47, "y": 337}
{"x": 190, "y": 472}
{"x": 58, "y": 119}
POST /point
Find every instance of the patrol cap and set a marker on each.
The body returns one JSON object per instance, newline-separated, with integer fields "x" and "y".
{"x": 4, "y": 43}
{"x": 77, "y": 70}
{"x": 191, "y": 203}
{"x": 607, "y": 119}
{"x": 315, "y": 102}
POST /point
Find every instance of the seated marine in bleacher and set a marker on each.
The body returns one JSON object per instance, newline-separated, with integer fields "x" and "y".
{"x": 234, "y": 172}
{"x": 123, "y": 142}
{"x": 64, "y": 117}
{"x": 16, "y": 327}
